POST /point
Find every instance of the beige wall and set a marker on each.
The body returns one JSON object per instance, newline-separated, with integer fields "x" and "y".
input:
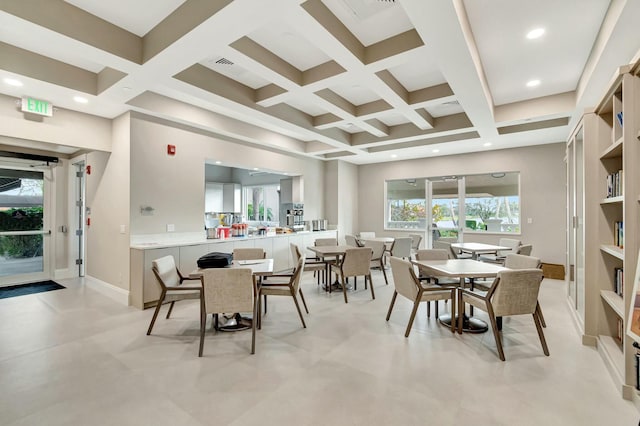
{"x": 108, "y": 193}
{"x": 66, "y": 127}
{"x": 542, "y": 189}
{"x": 174, "y": 185}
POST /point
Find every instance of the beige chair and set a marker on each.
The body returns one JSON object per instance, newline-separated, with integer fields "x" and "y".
{"x": 290, "y": 288}
{"x": 416, "y": 239}
{"x": 228, "y": 290}
{"x": 367, "y": 234}
{"x": 514, "y": 292}
{"x": 407, "y": 284}
{"x": 377, "y": 257}
{"x": 248, "y": 253}
{"x": 355, "y": 262}
{"x": 326, "y": 259}
{"x": 453, "y": 253}
{"x": 500, "y": 255}
{"x": 170, "y": 281}
{"x": 352, "y": 241}
{"x": 434, "y": 254}
{"x": 525, "y": 249}
{"x": 401, "y": 248}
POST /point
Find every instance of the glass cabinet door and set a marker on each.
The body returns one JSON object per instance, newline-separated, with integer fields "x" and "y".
{"x": 575, "y": 224}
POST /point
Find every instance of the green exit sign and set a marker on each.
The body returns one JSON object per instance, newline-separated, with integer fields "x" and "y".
{"x": 37, "y": 106}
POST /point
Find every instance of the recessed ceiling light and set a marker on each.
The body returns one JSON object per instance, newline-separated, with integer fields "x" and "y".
{"x": 394, "y": 155}
{"x": 218, "y": 162}
{"x": 80, "y": 100}
{"x": 533, "y": 83}
{"x": 487, "y": 144}
{"x": 256, "y": 169}
{"x": 535, "y": 33}
{"x": 13, "y": 82}
{"x": 435, "y": 150}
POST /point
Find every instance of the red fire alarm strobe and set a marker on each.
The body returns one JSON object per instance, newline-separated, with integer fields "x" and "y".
{"x": 89, "y": 169}
{"x": 171, "y": 149}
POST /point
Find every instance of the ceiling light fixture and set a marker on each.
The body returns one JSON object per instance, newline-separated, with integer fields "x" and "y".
{"x": 435, "y": 150}
{"x": 394, "y": 155}
{"x": 256, "y": 169}
{"x": 487, "y": 144}
{"x": 13, "y": 82}
{"x": 218, "y": 162}
{"x": 80, "y": 100}
{"x": 533, "y": 83}
{"x": 535, "y": 33}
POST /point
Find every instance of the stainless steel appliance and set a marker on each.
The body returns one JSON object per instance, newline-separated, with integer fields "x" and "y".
{"x": 319, "y": 225}
{"x": 292, "y": 216}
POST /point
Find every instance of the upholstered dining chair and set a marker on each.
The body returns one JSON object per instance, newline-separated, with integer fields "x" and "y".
{"x": 377, "y": 257}
{"x": 514, "y": 292}
{"x": 500, "y": 255}
{"x": 401, "y": 248}
{"x": 228, "y": 290}
{"x": 434, "y": 254}
{"x": 525, "y": 249}
{"x": 250, "y": 253}
{"x": 407, "y": 284}
{"x": 354, "y": 263}
{"x": 416, "y": 239}
{"x": 326, "y": 259}
{"x": 367, "y": 234}
{"x": 290, "y": 287}
{"x": 352, "y": 241}
{"x": 171, "y": 285}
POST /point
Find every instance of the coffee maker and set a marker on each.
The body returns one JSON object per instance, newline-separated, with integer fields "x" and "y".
{"x": 292, "y": 216}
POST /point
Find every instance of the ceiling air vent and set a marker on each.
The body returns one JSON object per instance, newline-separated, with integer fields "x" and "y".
{"x": 224, "y": 61}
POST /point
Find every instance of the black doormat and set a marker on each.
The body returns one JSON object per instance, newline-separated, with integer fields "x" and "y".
{"x": 30, "y": 288}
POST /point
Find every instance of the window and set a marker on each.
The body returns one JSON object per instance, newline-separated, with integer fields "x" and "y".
{"x": 491, "y": 203}
{"x": 261, "y": 203}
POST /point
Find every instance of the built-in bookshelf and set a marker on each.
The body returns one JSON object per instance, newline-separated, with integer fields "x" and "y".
{"x": 611, "y": 218}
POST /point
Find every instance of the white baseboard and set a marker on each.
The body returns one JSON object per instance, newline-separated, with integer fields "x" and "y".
{"x": 111, "y": 291}
{"x": 63, "y": 274}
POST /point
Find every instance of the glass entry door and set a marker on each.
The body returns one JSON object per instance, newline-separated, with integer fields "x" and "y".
{"x": 445, "y": 196}
{"x": 24, "y": 234}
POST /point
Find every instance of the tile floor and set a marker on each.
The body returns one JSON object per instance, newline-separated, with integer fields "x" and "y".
{"x": 74, "y": 357}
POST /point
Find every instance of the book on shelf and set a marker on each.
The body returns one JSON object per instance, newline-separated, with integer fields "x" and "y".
{"x": 614, "y": 184}
{"x": 618, "y": 234}
{"x": 620, "y": 331}
{"x": 618, "y": 281}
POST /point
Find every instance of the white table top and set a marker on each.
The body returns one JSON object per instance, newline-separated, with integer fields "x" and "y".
{"x": 329, "y": 250}
{"x": 478, "y": 247}
{"x": 386, "y": 240}
{"x": 259, "y": 267}
{"x": 464, "y": 268}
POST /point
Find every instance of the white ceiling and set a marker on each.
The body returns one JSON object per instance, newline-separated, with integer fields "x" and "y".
{"x": 360, "y": 80}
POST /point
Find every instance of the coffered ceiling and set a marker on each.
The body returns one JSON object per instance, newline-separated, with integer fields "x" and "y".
{"x": 364, "y": 81}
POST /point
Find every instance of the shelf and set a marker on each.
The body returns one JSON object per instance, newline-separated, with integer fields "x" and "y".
{"x": 613, "y": 151}
{"x": 614, "y": 251}
{"x": 614, "y": 301}
{"x": 611, "y": 351}
{"x": 613, "y": 200}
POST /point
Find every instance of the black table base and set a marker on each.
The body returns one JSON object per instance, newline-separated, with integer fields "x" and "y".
{"x": 469, "y": 325}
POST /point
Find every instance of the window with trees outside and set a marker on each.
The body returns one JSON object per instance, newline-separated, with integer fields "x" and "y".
{"x": 261, "y": 204}
{"x": 491, "y": 203}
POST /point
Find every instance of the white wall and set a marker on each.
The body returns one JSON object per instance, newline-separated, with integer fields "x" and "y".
{"x": 174, "y": 186}
{"x": 108, "y": 193}
{"x": 542, "y": 190}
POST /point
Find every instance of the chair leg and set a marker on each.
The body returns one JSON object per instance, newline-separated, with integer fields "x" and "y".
{"x": 453, "y": 309}
{"x": 429, "y": 309}
{"x": 203, "y": 323}
{"x": 435, "y": 302}
{"x": 416, "y": 303}
{"x": 344, "y": 288}
{"x": 253, "y": 324}
{"x": 265, "y": 304}
{"x": 259, "y": 318}
{"x": 155, "y": 313}
{"x": 393, "y": 301}
{"x": 355, "y": 283}
{"x": 460, "y": 313}
{"x": 295, "y": 299}
{"x": 373, "y": 295}
{"x": 544, "y": 324}
{"x": 496, "y": 332}
{"x": 304, "y": 303}
{"x": 538, "y": 321}
{"x": 170, "y": 309}
{"x": 386, "y": 281}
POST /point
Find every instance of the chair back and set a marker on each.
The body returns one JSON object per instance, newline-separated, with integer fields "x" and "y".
{"x": 297, "y": 274}
{"x": 166, "y": 272}
{"x": 525, "y": 249}
{"x": 351, "y": 241}
{"x": 228, "y": 290}
{"x": 404, "y": 278}
{"x": 519, "y": 261}
{"x": 357, "y": 261}
{"x": 377, "y": 247}
{"x": 515, "y": 292}
{"x": 444, "y": 245}
{"x": 416, "y": 239}
{"x": 401, "y": 247}
{"x": 325, "y": 242}
{"x": 432, "y": 254}
{"x": 508, "y": 242}
{"x": 367, "y": 234}
{"x": 248, "y": 253}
